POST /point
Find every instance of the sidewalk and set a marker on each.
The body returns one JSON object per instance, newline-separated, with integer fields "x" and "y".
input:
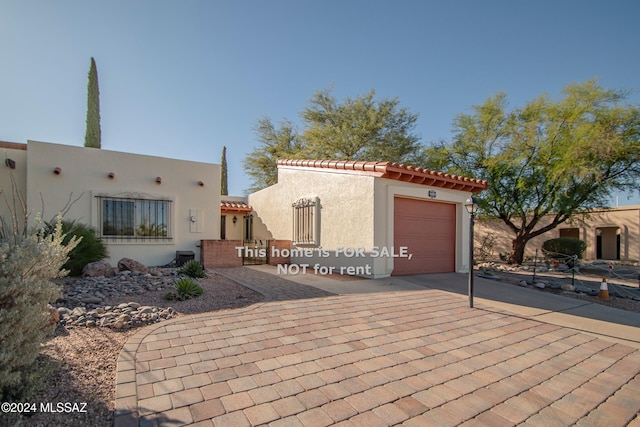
{"x": 401, "y": 353}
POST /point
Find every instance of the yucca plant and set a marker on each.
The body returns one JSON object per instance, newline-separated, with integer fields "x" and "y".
{"x": 193, "y": 269}
{"x": 185, "y": 288}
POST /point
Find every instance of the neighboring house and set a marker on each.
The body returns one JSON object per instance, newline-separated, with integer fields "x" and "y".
{"x": 146, "y": 208}
{"x": 610, "y": 234}
{"x": 357, "y": 215}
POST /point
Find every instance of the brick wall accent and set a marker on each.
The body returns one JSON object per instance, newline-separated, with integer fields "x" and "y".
{"x": 220, "y": 253}
{"x": 279, "y": 245}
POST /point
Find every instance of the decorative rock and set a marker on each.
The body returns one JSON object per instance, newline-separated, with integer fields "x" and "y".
{"x": 80, "y": 304}
{"x": 539, "y": 285}
{"x": 128, "y": 264}
{"x": 568, "y": 287}
{"x": 97, "y": 269}
{"x": 91, "y": 300}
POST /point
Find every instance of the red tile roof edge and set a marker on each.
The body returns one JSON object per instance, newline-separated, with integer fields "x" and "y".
{"x": 396, "y": 171}
{"x": 234, "y": 207}
{"x": 13, "y": 145}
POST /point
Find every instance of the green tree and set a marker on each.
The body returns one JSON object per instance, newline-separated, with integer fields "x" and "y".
{"x": 360, "y": 128}
{"x": 92, "y": 137}
{"x": 547, "y": 158}
{"x": 224, "y": 187}
{"x": 275, "y": 143}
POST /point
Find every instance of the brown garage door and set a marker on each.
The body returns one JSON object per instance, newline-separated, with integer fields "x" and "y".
{"x": 428, "y": 229}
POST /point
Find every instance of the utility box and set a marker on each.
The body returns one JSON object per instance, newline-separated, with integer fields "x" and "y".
{"x": 183, "y": 257}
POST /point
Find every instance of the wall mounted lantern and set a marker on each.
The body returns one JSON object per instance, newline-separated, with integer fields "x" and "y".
{"x": 235, "y": 219}
{"x": 57, "y": 171}
{"x": 158, "y": 180}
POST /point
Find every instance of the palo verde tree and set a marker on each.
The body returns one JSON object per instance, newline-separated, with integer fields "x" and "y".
{"x": 224, "y": 186}
{"x": 275, "y": 143}
{"x": 92, "y": 137}
{"x": 360, "y": 128}
{"x": 548, "y": 158}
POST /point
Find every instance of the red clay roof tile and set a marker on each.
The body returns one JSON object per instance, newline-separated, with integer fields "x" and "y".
{"x": 395, "y": 171}
{"x": 230, "y": 207}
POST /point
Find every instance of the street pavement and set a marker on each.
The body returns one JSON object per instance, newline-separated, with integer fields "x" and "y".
{"x": 408, "y": 351}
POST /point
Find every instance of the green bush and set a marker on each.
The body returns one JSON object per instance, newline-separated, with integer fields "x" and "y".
{"x": 27, "y": 264}
{"x": 564, "y": 247}
{"x": 185, "y": 288}
{"x": 90, "y": 248}
{"x": 193, "y": 269}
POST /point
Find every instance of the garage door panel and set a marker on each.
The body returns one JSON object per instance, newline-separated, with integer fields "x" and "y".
{"x": 427, "y": 229}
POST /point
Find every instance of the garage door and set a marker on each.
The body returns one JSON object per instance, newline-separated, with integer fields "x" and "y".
{"x": 428, "y": 229}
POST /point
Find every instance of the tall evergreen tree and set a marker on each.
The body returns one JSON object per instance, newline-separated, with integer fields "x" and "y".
{"x": 224, "y": 188}
{"x": 92, "y": 135}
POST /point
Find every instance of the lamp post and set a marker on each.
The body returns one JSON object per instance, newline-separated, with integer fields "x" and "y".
{"x": 472, "y": 207}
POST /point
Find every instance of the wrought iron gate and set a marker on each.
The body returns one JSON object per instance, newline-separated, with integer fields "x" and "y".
{"x": 256, "y": 252}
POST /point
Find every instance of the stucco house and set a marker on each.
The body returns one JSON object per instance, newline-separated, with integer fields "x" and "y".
{"x": 144, "y": 207}
{"x": 610, "y": 234}
{"x": 372, "y": 219}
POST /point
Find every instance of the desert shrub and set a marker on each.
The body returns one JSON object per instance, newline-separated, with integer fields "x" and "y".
{"x": 564, "y": 247}
{"x": 185, "y": 288}
{"x": 193, "y": 269}
{"x": 90, "y": 248}
{"x": 26, "y": 266}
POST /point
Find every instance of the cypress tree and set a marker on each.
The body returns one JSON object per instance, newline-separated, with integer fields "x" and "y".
{"x": 224, "y": 189}
{"x": 92, "y": 135}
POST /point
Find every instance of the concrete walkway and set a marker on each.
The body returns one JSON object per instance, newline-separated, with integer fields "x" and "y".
{"x": 391, "y": 352}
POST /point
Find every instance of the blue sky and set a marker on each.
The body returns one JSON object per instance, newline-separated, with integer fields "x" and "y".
{"x": 182, "y": 79}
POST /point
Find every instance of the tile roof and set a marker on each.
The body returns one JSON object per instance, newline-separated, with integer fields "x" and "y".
{"x": 228, "y": 207}
{"x": 395, "y": 171}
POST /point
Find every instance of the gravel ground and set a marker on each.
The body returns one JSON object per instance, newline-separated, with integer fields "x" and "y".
{"x": 81, "y": 361}
{"x": 79, "y": 364}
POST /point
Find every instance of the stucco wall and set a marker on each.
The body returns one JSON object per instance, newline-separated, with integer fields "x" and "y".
{"x": 346, "y": 210}
{"x": 625, "y": 219}
{"x": 12, "y": 190}
{"x": 84, "y": 175}
{"x": 356, "y": 212}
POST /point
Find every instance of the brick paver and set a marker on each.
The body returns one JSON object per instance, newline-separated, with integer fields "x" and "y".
{"x": 416, "y": 358}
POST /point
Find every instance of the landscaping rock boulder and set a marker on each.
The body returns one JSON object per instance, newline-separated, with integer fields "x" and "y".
{"x": 128, "y": 264}
{"x": 98, "y": 269}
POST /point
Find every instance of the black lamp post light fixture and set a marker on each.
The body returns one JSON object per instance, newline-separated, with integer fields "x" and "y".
{"x": 472, "y": 207}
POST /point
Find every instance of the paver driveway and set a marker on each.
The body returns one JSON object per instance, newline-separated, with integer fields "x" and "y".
{"x": 414, "y": 358}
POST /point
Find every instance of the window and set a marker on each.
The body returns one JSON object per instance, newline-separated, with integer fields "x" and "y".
{"x": 248, "y": 227}
{"x": 223, "y": 227}
{"x": 305, "y": 221}
{"x": 139, "y": 219}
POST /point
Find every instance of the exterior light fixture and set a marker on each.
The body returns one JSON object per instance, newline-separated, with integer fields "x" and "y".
{"x": 201, "y": 184}
{"x": 235, "y": 219}
{"x": 11, "y": 164}
{"x": 111, "y": 175}
{"x": 158, "y": 180}
{"x": 57, "y": 171}
{"x": 472, "y": 207}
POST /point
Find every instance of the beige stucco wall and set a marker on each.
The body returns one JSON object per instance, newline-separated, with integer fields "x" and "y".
{"x": 356, "y": 212}
{"x": 85, "y": 175}
{"x": 622, "y": 220}
{"x": 10, "y": 194}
